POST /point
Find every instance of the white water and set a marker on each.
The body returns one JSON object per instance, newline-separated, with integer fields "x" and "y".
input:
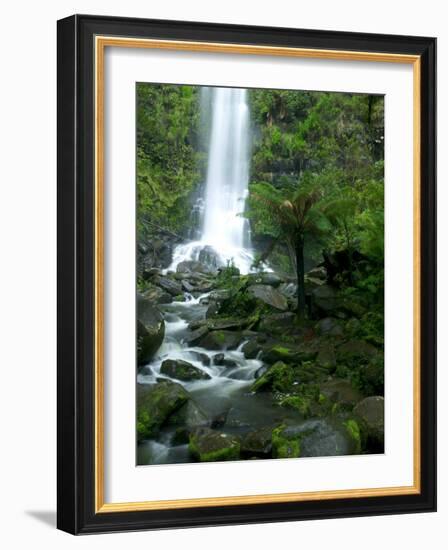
{"x": 224, "y": 228}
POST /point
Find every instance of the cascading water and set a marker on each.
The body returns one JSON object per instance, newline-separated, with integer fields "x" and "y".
{"x": 224, "y": 228}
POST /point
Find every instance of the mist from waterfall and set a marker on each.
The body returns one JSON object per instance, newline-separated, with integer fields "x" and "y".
{"x": 226, "y": 127}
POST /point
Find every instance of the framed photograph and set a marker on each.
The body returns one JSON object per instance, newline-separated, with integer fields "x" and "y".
{"x": 246, "y": 274}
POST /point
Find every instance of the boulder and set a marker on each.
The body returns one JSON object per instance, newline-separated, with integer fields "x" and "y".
{"x": 269, "y": 296}
{"x": 269, "y": 278}
{"x": 150, "y": 330}
{"x": 289, "y": 290}
{"x": 326, "y": 299}
{"x": 279, "y": 377}
{"x": 210, "y": 258}
{"x": 221, "y": 340}
{"x": 251, "y": 349}
{"x": 172, "y": 287}
{"x": 189, "y": 416}
{"x": 203, "y": 357}
{"x": 285, "y": 443}
{"x": 207, "y": 445}
{"x": 193, "y": 337}
{"x": 277, "y": 322}
{"x": 155, "y": 403}
{"x": 257, "y": 443}
{"x": 182, "y": 370}
{"x": 191, "y": 266}
{"x": 287, "y": 353}
{"x": 318, "y": 272}
{"x": 371, "y": 413}
{"x": 157, "y": 295}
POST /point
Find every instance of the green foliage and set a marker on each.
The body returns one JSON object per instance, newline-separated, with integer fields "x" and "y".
{"x": 285, "y": 445}
{"x": 168, "y": 157}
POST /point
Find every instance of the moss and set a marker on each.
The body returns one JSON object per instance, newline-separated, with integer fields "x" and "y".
{"x": 285, "y": 445}
{"x": 355, "y": 434}
{"x": 146, "y": 427}
{"x": 279, "y": 378}
{"x": 214, "y": 447}
{"x": 297, "y": 402}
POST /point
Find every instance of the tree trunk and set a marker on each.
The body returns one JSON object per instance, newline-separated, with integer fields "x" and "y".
{"x": 300, "y": 268}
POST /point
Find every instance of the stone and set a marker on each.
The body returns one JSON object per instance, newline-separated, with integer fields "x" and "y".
{"x": 189, "y": 416}
{"x": 277, "y": 322}
{"x": 258, "y": 443}
{"x": 285, "y": 444}
{"x": 329, "y": 327}
{"x": 356, "y": 352}
{"x": 191, "y": 266}
{"x": 269, "y": 296}
{"x": 326, "y": 299}
{"x": 155, "y": 403}
{"x": 279, "y": 377}
{"x": 251, "y": 349}
{"x": 172, "y": 287}
{"x": 207, "y": 445}
{"x": 340, "y": 390}
{"x": 371, "y": 413}
{"x": 150, "y": 330}
{"x": 182, "y": 370}
{"x": 326, "y": 356}
{"x": 195, "y": 336}
{"x": 287, "y": 353}
{"x": 157, "y": 295}
{"x": 220, "y": 340}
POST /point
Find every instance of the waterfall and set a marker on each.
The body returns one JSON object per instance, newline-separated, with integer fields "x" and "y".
{"x": 225, "y": 233}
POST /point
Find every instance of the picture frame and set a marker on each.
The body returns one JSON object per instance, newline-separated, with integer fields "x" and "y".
{"x": 82, "y": 196}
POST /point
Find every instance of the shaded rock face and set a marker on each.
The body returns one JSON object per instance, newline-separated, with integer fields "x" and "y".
{"x": 182, "y": 370}
{"x": 277, "y": 322}
{"x": 287, "y": 353}
{"x": 189, "y": 416}
{"x": 371, "y": 413}
{"x": 210, "y": 258}
{"x": 208, "y": 445}
{"x": 269, "y": 295}
{"x": 157, "y": 295}
{"x": 330, "y": 327}
{"x": 155, "y": 403}
{"x": 340, "y": 390}
{"x": 150, "y": 330}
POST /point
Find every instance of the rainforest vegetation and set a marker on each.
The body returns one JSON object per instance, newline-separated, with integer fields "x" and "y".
{"x": 300, "y": 337}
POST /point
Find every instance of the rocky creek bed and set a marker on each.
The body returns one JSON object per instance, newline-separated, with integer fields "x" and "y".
{"x": 227, "y": 371}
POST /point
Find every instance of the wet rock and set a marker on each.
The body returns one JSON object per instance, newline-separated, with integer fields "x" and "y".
{"x": 258, "y": 443}
{"x": 208, "y": 445}
{"x": 172, "y": 287}
{"x": 150, "y": 330}
{"x": 251, "y": 349}
{"x": 218, "y": 359}
{"x": 371, "y": 413}
{"x": 155, "y": 403}
{"x": 269, "y": 278}
{"x": 212, "y": 310}
{"x": 195, "y": 336}
{"x": 318, "y": 273}
{"x": 157, "y": 295}
{"x": 279, "y": 377}
{"x": 269, "y": 295}
{"x": 220, "y": 340}
{"x": 188, "y": 287}
{"x": 182, "y": 370}
{"x": 189, "y": 416}
{"x": 210, "y": 258}
{"x": 221, "y": 324}
{"x": 191, "y": 266}
{"x": 289, "y": 290}
{"x": 299, "y": 403}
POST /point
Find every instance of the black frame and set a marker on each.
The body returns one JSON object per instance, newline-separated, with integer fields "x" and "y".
{"x": 75, "y": 386}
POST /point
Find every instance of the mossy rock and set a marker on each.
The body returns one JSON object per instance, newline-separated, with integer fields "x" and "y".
{"x": 155, "y": 404}
{"x": 150, "y": 330}
{"x": 221, "y": 340}
{"x": 284, "y": 444}
{"x": 182, "y": 370}
{"x": 287, "y": 353}
{"x": 370, "y": 412}
{"x": 258, "y": 443}
{"x": 354, "y": 433}
{"x": 279, "y": 377}
{"x": 298, "y": 403}
{"x": 207, "y": 445}
{"x": 251, "y": 349}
